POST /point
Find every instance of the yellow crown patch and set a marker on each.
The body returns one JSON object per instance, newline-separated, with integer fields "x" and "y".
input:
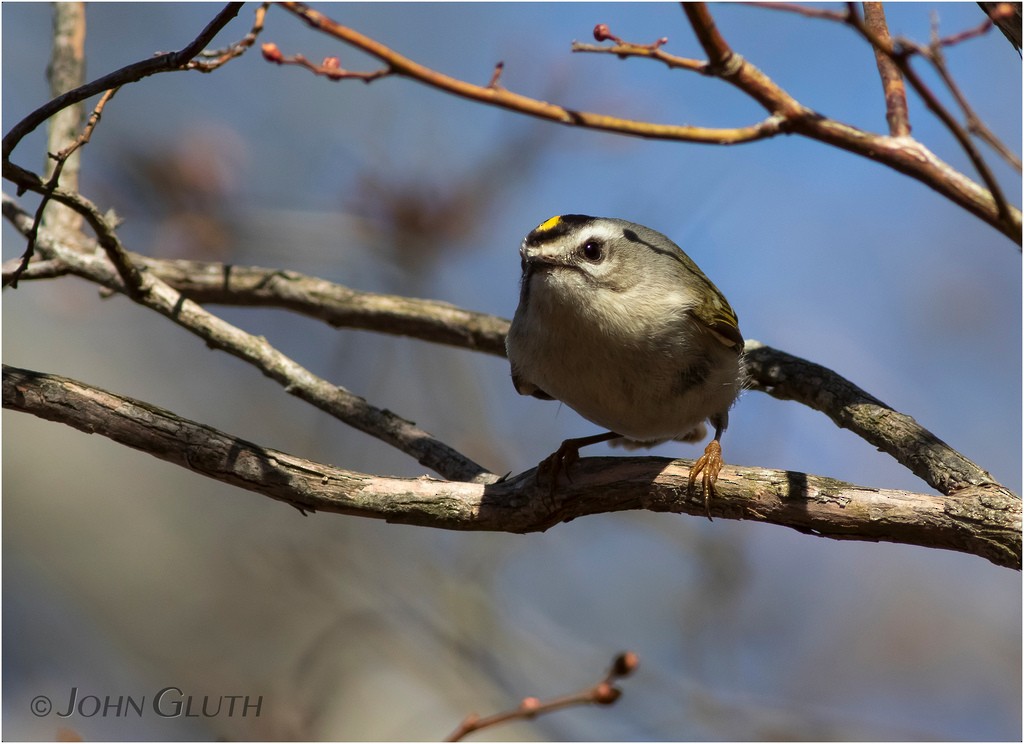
{"x": 549, "y": 224}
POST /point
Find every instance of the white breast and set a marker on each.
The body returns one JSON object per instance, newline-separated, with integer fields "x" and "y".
{"x": 622, "y": 374}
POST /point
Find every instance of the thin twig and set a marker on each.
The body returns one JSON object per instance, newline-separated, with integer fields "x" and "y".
{"x": 603, "y": 692}
{"x": 975, "y": 125}
{"x": 36, "y": 270}
{"x": 503, "y": 98}
{"x": 991, "y": 205}
{"x": 211, "y": 59}
{"x": 168, "y": 62}
{"x": 808, "y": 11}
{"x": 901, "y": 59}
{"x": 624, "y": 49}
{"x": 896, "y": 113}
{"x": 329, "y": 68}
{"x": 99, "y": 223}
{"x": 61, "y": 158}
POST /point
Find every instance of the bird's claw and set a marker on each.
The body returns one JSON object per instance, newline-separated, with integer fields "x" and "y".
{"x": 707, "y": 466}
{"x": 557, "y": 463}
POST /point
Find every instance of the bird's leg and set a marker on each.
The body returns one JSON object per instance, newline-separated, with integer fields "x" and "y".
{"x": 708, "y": 466}
{"x": 568, "y": 453}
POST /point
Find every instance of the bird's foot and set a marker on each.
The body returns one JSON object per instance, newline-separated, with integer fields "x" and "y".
{"x": 707, "y": 466}
{"x": 566, "y": 456}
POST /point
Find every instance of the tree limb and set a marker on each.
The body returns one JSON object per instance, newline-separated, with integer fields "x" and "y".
{"x": 255, "y": 350}
{"x": 788, "y": 116}
{"x": 397, "y": 64}
{"x": 787, "y": 377}
{"x": 975, "y": 520}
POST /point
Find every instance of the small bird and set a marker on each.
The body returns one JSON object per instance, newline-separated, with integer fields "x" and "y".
{"x": 618, "y": 323}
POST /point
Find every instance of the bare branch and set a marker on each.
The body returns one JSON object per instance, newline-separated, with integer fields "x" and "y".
{"x": 787, "y": 377}
{"x": 63, "y": 157}
{"x": 34, "y": 270}
{"x": 255, "y": 350}
{"x": 329, "y": 68}
{"x": 720, "y": 56}
{"x": 892, "y": 81}
{"x": 169, "y": 62}
{"x": 27, "y": 180}
{"x": 210, "y": 59}
{"x": 975, "y": 125}
{"x": 808, "y": 11}
{"x": 336, "y": 305}
{"x": 603, "y": 692}
{"x": 988, "y": 204}
{"x": 623, "y": 49}
{"x": 100, "y": 224}
{"x": 1006, "y": 214}
{"x": 788, "y": 115}
{"x": 1007, "y": 16}
{"x": 503, "y": 98}
{"x": 980, "y": 521}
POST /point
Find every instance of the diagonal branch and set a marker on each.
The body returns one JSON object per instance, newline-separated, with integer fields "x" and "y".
{"x": 255, "y": 350}
{"x": 979, "y": 521}
{"x": 788, "y": 377}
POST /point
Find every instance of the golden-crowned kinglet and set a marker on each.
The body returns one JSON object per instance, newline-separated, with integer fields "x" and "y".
{"x": 615, "y": 321}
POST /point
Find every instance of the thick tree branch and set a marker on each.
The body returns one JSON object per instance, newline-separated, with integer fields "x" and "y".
{"x": 787, "y": 377}
{"x": 980, "y": 521}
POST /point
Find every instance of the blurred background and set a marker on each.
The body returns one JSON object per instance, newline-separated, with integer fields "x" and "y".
{"x": 123, "y": 574}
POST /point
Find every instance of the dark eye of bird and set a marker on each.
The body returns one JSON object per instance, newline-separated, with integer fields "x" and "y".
{"x": 593, "y": 250}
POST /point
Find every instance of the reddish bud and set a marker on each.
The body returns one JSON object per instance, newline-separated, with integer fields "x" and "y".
{"x": 271, "y": 53}
{"x": 625, "y": 664}
{"x": 606, "y": 693}
{"x": 331, "y": 63}
{"x": 603, "y": 33}
{"x": 529, "y": 705}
